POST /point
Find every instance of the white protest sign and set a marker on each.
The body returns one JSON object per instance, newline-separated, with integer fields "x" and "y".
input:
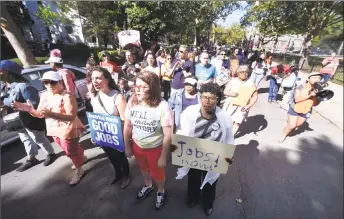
{"x": 201, "y": 154}
{"x": 129, "y": 37}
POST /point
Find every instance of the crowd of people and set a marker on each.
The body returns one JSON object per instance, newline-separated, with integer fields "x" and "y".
{"x": 163, "y": 93}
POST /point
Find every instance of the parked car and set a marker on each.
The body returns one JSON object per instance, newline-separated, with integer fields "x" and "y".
{"x": 33, "y": 75}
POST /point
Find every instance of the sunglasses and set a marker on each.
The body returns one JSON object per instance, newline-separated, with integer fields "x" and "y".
{"x": 52, "y": 83}
{"x": 223, "y": 54}
{"x": 169, "y": 58}
{"x": 181, "y": 51}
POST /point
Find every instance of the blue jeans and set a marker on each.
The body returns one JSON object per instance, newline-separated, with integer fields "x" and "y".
{"x": 256, "y": 78}
{"x": 326, "y": 77}
{"x": 273, "y": 89}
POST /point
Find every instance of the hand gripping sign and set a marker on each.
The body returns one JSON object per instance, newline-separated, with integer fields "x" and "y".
{"x": 106, "y": 131}
{"x": 201, "y": 154}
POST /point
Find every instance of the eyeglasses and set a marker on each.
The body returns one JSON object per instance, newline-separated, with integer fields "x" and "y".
{"x": 52, "y": 83}
{"x": 211, "y": 99}
{"x": 168, "y": 58}
{"x": 223, "y": 54}
{"x": 143, "y": 88}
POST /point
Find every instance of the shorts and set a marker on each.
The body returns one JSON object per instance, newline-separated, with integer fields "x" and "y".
{"x": 147, "y": 159}
{"x": 293, "y": 113}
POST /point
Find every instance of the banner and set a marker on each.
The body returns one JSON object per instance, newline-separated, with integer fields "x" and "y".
{"x": 106, "y": 130}
{"x": 201, "y": 154}
{"x": 129, "y": 37}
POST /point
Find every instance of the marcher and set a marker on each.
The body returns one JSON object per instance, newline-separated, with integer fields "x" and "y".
{"x": 33, "y": 133}
{"x": 278, "y": 73}
{"x": 91, "y": 61}
{"x": 330, "y": 66}
{"x": 167, "y": 73}
{"x": 151, "y": 65}
{"x": 184, "y": 98}
{"x": 148, "y": 133}
{"x": 59, "y": 108}
{"x": 205, "y": 121}
{"x": 184, "y": 68}
{"x": 125, "y": 89}
{"x": 107, "y": 99}
{"x": 111, "y": 66}
{"x": 205, "y": 72}
{"x": 259, "y": 70}
{"x": 56, "y": 63}
{"x": 241, "y": 96}
{"x": 302, "y": 103}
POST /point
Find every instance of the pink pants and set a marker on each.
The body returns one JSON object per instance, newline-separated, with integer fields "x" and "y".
{"x": 72, "y": 149}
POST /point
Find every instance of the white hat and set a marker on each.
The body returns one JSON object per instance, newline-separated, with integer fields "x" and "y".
{"x": 315, "y": 74}
{"x": 191, "y": 81}
{"x": 53, "y": 59}
{"x": 52, "y": 76}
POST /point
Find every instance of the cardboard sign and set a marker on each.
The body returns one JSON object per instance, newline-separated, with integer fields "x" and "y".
{"x": 201, "y": 154}
{"x": 129, "y": 37}
{"x": 106, "y": 130}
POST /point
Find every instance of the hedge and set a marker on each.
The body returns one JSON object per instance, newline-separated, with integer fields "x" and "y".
{"x": 118, "y": 58}
{"x": 40, "y": 60}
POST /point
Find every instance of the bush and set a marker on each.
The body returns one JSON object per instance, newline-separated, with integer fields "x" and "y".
{"x": 119, "y": 59}
{"x": 40, "y": 60}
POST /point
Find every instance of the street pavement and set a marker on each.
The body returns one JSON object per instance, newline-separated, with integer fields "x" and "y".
{"x": 300, "y": 178}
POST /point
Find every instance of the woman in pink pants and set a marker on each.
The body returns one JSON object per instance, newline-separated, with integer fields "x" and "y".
{"x": 59, "y": 108}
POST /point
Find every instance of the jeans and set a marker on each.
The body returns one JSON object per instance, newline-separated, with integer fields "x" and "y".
{"x": 256, "y": 78}
{"x": 118, "y": 160}
{"x": 32, "y": 139}
{"x": 326, "y": 77}
{"x": 195, "y": 179}
{"x": 273, "y": 89}
{"x": 173, "y": 91}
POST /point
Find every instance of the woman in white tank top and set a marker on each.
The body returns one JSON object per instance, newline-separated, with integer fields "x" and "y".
{"x": 107, "y": 99}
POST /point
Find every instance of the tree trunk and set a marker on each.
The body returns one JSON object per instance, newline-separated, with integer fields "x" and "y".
{"x": 17, "y": 41}
{"x": 307, "y": 43}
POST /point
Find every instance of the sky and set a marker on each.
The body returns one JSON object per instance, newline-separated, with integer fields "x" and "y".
{"x": 232, "y": 18}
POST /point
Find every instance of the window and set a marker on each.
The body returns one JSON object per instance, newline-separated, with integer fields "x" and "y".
{"x": 68, "y": 29}
{"x": 78, "y": 74}
{"x": 34, "y": 80}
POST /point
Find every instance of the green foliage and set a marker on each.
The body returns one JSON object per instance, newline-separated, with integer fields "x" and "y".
{"x": 118, "y": 58}
{"x": 49, "y": 17}
{"x": 40, "y": 60}
{"x": 310, "y": 18}
{"x": 229, "y": 36}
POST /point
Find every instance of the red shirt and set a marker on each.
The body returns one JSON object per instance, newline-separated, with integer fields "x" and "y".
{"x": 286, "y": 67}
{"x": 68, "y": 78}
{"x": 110, "y": 66}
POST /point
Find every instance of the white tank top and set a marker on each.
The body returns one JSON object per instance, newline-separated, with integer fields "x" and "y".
{"x": 108, "y": 101}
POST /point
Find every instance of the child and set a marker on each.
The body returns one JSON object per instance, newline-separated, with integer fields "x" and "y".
{"x": 125, "y": 89}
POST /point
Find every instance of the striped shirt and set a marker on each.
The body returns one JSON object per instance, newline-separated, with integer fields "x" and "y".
{"x": 208, "y": 128}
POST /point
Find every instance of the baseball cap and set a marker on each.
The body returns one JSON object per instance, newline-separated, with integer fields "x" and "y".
{"x": 191, "y": 81}
{"x": 52, "y": 76}
{"x": 11, "y": 66}
{"x": 315, "y": 74}
{"x": 127, "y": 53}
{"x": 54, "y": 60}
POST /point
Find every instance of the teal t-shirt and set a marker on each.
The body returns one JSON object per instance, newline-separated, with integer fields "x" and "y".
{"x": 204, "y": 73}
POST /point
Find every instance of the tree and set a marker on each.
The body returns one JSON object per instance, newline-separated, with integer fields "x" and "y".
{"x": 306, "y": 18}
{"x": 15, "y": 37}
{"x": 231, "y": 35}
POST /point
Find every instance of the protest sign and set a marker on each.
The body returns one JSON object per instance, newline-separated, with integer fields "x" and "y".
{"x": 106, "y": 130}
{"x": 201, "y": 154}
{"x": 129, "y": 37}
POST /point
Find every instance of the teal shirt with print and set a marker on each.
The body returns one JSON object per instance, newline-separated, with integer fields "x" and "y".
{"x": 204, "y": 73}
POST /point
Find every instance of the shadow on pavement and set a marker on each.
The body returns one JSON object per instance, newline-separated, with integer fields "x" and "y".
{"x": 253, "y": 124}
{"x": 305, "y": 127}
{"x": 264, "y": 182}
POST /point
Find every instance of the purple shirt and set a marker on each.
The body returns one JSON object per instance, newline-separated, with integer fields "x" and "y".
{"x": 188, "y": 102}
{"x": 178, "y": 78}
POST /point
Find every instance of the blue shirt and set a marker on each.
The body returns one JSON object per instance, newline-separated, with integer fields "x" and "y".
{"x": 204, "y": 73}
{"x": 21, "y": 92}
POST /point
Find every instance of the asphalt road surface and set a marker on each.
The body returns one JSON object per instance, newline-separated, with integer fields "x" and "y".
{"x": 300, "y": 178}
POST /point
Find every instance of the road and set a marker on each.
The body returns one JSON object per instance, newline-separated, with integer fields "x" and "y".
{"x": 300, "y": 178}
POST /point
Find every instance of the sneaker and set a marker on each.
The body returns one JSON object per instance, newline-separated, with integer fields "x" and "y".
{"x": 27, "y": 165}
{"x": 49, "y": 159}
{"x": 160, "y": 197}
{"x": 144, "y": 192}
{"x": 77, "y": 177}
{"x": 85, "y": 161}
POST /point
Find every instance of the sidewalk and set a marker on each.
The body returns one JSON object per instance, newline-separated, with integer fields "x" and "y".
{"x": 331, "y": 110}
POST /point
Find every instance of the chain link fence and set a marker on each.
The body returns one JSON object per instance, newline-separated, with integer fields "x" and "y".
{"x": 314, "y": 64}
